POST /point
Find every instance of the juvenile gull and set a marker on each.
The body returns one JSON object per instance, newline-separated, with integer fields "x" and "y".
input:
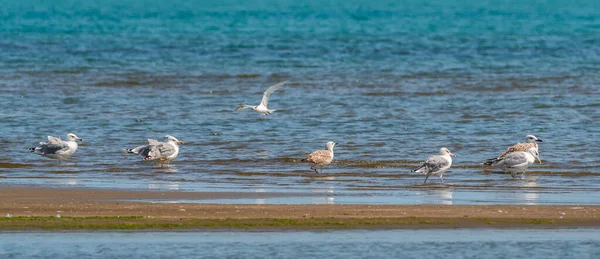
{"x": 530, "y": 143}
{"x": 56, "y": 148}
{"x": 516, "y": 161}
{"x": 436, "y": 165}
{"x": 321, "y": 158}
{"x": 158, "y": 151}
{"x": 262, "y": 107}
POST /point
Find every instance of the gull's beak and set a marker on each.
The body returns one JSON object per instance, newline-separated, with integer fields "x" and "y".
{"x": 539, "y": 140}
{"x": 539, "y": 160}
{"x": 79, "y": 139}
{"x": 180, "y": 142}
{"x": 336, "y": 143}
{"x": 451, "y": 154}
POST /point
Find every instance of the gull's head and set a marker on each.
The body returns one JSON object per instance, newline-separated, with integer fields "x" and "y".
{"x": 73, "y": 137}
{"x": 445, "y": 151}
{"x": 170, "y": 138}
{"x": 532, "y": 139}
{"x": 330, "y": 145}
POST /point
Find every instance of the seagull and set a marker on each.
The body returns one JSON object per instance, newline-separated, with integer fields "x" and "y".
{"x": 56, "y": 148}
{"x": 516, "y": 161}
{"x": 530, "y": 142}
{"x": 262, "y": 107}
{"x": 436, "y": 164}
{"x": 158, "y": 151}
{"x": 321, "y": 158}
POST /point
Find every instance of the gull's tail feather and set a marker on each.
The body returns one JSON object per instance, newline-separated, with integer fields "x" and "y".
{"x": 32, "y": 150}
{"x": 418, "y": 168}
{"x": 135, "y": 150}
{"x": 491, "y": 161}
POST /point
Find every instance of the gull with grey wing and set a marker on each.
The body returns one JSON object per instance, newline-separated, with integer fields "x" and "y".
{"x": 158, "y": 151}
{"x": 262, "y": 107}
{"x": 56, "y": 148}
{"x": 436, "y": 165}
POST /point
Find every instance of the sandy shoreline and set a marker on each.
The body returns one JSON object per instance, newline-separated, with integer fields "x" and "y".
{"x": 36, "y": 208}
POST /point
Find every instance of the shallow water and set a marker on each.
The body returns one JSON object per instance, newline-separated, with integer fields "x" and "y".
{"x": 467, "y": 243}
{"x": 391, "y": 81}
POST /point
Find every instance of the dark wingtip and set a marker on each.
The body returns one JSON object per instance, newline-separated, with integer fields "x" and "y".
{"x": 490, "y": 161}
{"x": 32, "y": 149}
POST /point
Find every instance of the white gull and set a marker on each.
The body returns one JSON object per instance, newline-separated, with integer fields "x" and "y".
{"x": 530, "y": 143}
{"x": 158, "y": 151}
{"x": 436, "y": 165}
{"x": 516, "y": 162}
{"x": 262, "y": 107}
{"x": 56, "y": 148}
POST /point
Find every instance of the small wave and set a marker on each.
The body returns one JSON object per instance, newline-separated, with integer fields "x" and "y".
{"x": 14, "y": 165}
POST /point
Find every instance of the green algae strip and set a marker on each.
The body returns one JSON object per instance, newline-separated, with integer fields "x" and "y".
{"x": 141, "y": 223}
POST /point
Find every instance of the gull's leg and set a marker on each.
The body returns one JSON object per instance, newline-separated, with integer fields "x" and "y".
{"x": 426, "y": 176}
{"x": 523, "y": 174}
{"x": 512, "y": 174}
{"x": 442, "y": 179}
{"x": 313, "y": 168}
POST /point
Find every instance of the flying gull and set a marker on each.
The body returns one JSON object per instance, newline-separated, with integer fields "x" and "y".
{"x": 158, "y": 151}
{"x": 516, "y": 161}
{"x": 321, "y": 158}
{"x": 56, "y": 148}
{"x": 262, "y": 107}
{"x": 436, "y": 165}
{"x": 530, "y": 142}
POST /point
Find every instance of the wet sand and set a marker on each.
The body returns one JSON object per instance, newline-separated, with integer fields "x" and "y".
{"x": 36, "y": 208}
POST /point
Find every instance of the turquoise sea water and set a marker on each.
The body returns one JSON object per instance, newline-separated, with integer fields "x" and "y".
{"x": 391, "y": 81}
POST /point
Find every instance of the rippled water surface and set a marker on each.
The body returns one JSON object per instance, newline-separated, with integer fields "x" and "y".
{"x": 391, "y": 81}
{"x": 469, "y": 243}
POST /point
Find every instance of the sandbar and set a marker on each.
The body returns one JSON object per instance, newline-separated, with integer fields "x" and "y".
{"x": 26, "y": 208}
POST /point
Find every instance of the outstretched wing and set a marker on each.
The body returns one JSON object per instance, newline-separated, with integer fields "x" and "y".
{"x": 265, "y": 99}
{"x": 241, "y": 107}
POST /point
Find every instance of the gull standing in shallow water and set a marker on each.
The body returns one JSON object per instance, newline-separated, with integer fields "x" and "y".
{"x": 435, "y": 165}
{"x": 56, "y": 148}
{"x": 516, "y": 161}
{"x": 262, "y": 107}
{"x": 530, "y": 143}
{"x": 321, "y": 158}
{"x": 158, "y": 151}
